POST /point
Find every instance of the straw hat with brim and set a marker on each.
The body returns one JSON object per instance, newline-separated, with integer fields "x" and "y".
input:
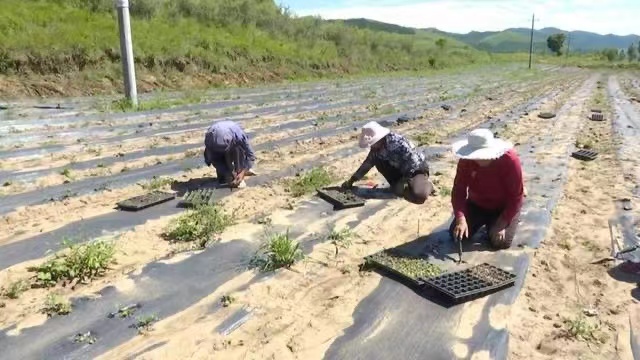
{"x": 372, "y": 132}
{"x": 481, "y": 145}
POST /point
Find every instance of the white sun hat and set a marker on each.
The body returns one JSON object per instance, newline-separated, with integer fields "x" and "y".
{"x": 371, "y": 133}
{"x": 481, "y": 145}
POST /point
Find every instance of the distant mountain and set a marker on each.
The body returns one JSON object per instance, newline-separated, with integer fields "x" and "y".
{"x": 514, "y": 39}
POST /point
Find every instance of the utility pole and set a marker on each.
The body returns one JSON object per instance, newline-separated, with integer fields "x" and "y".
{"x": 533, "y": 19}
{"x": 126, "y": 51}
{"x": 568, "y": 43}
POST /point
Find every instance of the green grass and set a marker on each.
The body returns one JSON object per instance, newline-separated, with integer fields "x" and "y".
{"x": 425, "y": 138}
{"x": 199, "y": 225}
{"x": 15, "y": 289}
{"x": 277, "y": 252}
{"x": 230, "y": 41}
{"x": 78, "y": 262}
{"x": 309, "y": 181}
{"x": 56, "y": 304}
{"x": 158, "y": 183}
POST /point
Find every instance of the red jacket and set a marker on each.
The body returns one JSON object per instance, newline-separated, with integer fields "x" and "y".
{"x": 498, "y": 186}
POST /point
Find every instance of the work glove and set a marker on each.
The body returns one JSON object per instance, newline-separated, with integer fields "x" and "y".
{"x": 347, "y": 184}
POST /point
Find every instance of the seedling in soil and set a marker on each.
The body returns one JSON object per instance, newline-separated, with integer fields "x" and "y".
{"x": 308, "y": 182}
{"x": 57, "y": 305}
{"x": 445, "y": 191}
{"x": 425, "y": 138}
{"x": 227, "y": 300}
{"x": 277, "y": 252}
{"x": 200, "y": 225}
{"x": 145, "y": 323}
{"x": 15, "y": 289}
{"x": 78, "y": 262}
{"x": 125, "y": 311}
{"x": 581, "y": 329}
{"x": 341, "y": 238}
{"x": 158, "y": 183}
{"x": 66, "y": 173}
{"x": 414, "y": 268}
{"x": 86, "y": 338}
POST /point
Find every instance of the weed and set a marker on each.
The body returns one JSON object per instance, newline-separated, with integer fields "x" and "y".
{"x": 277, "y": 252}
{"x": 425, "y": 138}
{"x": 309, "y": 182}
{"x": 66, "y": 173}
{"x": 158, "y": 183}
{"x": 57, "y": 305}
{"x": 341, "y": 238}
{"x": 445, "y": 191}
{"x": 144, "y": 323}
{"x": 227, "y": 300}
{"x": 79, "y": 262}
{"x": 200, "y": 225}
{"x": 15, "y": 289}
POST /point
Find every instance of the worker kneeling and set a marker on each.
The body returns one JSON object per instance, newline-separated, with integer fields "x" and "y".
{"x": 404, "y": 168}
{"x": 227, "y": 148}
{"x": 488, "y": 189}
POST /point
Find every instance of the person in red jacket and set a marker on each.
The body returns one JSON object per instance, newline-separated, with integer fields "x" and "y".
{"x": 488, "y": 189}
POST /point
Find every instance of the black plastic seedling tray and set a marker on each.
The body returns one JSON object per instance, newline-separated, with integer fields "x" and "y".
{"x": 597, "y": 116}
{"x": 340, "y": 199}
{"x": 198, "y": 197}
{"x": 585, "y": 155}
{"x": 472, "y": 283}
{"x": 144, "y": 201}
{"x": 389, "y": 262}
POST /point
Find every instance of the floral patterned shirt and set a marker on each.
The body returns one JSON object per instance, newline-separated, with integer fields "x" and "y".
{"x": 397, "y": 152}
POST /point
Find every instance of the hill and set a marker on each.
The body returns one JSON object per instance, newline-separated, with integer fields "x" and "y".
{"x": 68, "y": 47}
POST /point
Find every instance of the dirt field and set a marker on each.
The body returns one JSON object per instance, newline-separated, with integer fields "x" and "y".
{"x": 62, "y": 175}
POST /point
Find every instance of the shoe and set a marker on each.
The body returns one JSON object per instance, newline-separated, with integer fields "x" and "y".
{"x": 242, "y": 185}
{"x": 251, "y": 172}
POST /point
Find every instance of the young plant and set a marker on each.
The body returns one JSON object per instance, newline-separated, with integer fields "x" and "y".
{"x": 277, "y": 252}
{"x": 78, "y": 262}
{"x": 425, "y": 138}
{"x": 57, "y": 305}
{"x": 309, "y": 182}
{"x": 15, "y": 289}
{"x": 158, "y": 183}
{"x": 144, "y": 323}
{"x": 66, "y": 172}
{"x": 227, "y": 300}
{"x": 445, "y": 191}
{"x": 341, "y": 238}
{"x": 580, "y": 329}
{"x": 199, "y": 225}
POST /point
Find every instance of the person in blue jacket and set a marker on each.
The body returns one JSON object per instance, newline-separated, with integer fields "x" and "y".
{"x": 227, "y": 148}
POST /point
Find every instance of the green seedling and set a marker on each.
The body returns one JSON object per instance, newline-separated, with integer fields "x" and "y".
{"x": 200, "y": 225}
{"x": 86, "y": 338}
{"x": 66, "y": 173}
{"x": 15, "y": 289}
{"x": 145, "y": 323}
{"x": 227, "y": 300}
{"x": 341, "y": 238}
{"x": 414, "y": 268}
{"x": 57, "y": 305}
{"x": 425, "y": 138}
{"x": 309, "y": 181}
{"x": 581, "y": 329}
{"x": 125, "y": 311}
{"x": 445, "y": 191}
{"x": 277, "y": 252}
{"x": 158, "y": 183}
{"x": 76, "y": 263}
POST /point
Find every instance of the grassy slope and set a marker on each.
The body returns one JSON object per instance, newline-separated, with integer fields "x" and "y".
{"x": 71, "y": 47}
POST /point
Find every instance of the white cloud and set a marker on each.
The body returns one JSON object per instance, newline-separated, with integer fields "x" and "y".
{"x": 615, "y": 16}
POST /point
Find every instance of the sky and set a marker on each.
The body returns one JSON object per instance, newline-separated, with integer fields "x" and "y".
{"x": 620, "y": 17}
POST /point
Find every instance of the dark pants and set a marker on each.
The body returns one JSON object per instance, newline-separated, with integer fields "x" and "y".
{"x": 219, "y": 162}
{"x": 478, "y": 217}
{"x": 418, "y": 187}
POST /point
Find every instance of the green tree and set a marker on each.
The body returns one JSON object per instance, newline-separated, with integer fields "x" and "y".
{"x": 632, "y": 52}
{"x": 441, "y": 43}
{"x": 610, "y": 54}
{"x": 555, "y": 43}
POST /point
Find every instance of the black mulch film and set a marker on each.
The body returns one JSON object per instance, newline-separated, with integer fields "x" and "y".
{"x": 472, "y": 283}
{"x": 585, "y": 155}
{"x": 340, "y": 199}
{"x": 144, "y": 201}
{"x": 198, "y": 197}
{"x": 597, "y": 116}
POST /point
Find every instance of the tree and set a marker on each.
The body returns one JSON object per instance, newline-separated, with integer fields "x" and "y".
{"x": 555, "y": 43}
{"x": 610, "y": 54}
{"x": 441, "y": 43}
{"x": 632, "y": 52}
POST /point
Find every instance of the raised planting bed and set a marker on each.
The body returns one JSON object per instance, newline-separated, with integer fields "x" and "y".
{"x": 597, "y": 116}
{"x": 340, "y": 199}
{"x": 546, "y": 115}
{"x": 144, "y": 201}
{"x": 410, "y": 269}
{"x": 472, "y": 283}
{"x": 198, "y": 197}
{"x": 585, "y": 155}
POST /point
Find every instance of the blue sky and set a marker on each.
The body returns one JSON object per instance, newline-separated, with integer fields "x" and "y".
{"x": 620, "y": 17}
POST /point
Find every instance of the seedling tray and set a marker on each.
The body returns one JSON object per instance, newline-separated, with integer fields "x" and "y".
{"x": 198, "y": 197}
{"x": 408, "y": 269}
{"x": 585, "y": 155}
{"x": 472, "y": 283}
{"x": 340, "y": 199}
{"x": 144, "y": 201}
{"x": 597, "y": 116}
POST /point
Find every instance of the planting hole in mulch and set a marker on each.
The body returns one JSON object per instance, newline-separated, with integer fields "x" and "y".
{"x": 597, "y": 116}
{"x": 585, "y": 155}
{"x": 472, "y": 283}
{"x": 198, "y": 197}
{"x": 596, "y": 111}
{"x": 409, "y": 269}
{"x": 340, "y": 199}
{"x": 144, "y": 201}
{"x": 546, "y": 115}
